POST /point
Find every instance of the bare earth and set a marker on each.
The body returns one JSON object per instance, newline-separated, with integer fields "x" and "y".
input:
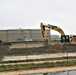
{"x": 26, "y": 49}
{"x": 44, "y": 70}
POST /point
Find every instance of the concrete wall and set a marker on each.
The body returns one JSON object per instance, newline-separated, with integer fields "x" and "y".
{"x": 22, "y": 35}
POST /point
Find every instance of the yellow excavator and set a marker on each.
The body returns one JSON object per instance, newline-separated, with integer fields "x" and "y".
{"x": 64, "y": 38}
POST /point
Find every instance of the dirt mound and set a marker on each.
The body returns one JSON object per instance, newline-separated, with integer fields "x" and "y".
{"x": 56, "y": 48}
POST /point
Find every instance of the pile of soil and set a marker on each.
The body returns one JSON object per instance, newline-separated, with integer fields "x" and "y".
{"x": 56, "y": 48}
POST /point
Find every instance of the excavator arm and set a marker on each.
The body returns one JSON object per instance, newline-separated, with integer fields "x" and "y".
{"x": 44, "y": 33}
{"x": 50, "y": 27}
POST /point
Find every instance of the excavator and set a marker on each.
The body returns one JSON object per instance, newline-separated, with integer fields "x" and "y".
{"x": 64, "y": 38}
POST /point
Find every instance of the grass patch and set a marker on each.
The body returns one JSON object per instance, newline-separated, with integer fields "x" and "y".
{"x": 35, "y": 66}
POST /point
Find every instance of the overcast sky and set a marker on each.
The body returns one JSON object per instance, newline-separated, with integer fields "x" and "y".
{"x": 28, "y": 14}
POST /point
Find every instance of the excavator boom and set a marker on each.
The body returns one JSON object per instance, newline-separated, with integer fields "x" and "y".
{"x": 50, "y": 27}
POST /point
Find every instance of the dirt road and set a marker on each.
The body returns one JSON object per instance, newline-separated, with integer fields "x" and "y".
{"x": 41, "y": 56}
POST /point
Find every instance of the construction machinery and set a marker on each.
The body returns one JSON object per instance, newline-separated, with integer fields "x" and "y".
{"x": 64, "y": 38}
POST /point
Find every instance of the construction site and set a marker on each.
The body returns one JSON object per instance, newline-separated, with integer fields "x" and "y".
{"x": 35, "y": 44}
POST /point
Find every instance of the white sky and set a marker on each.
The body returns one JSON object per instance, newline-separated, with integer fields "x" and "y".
{"x": 28, "y": 14}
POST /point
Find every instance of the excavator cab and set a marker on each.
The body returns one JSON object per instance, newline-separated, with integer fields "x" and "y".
{"x": 65, "y": 38}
